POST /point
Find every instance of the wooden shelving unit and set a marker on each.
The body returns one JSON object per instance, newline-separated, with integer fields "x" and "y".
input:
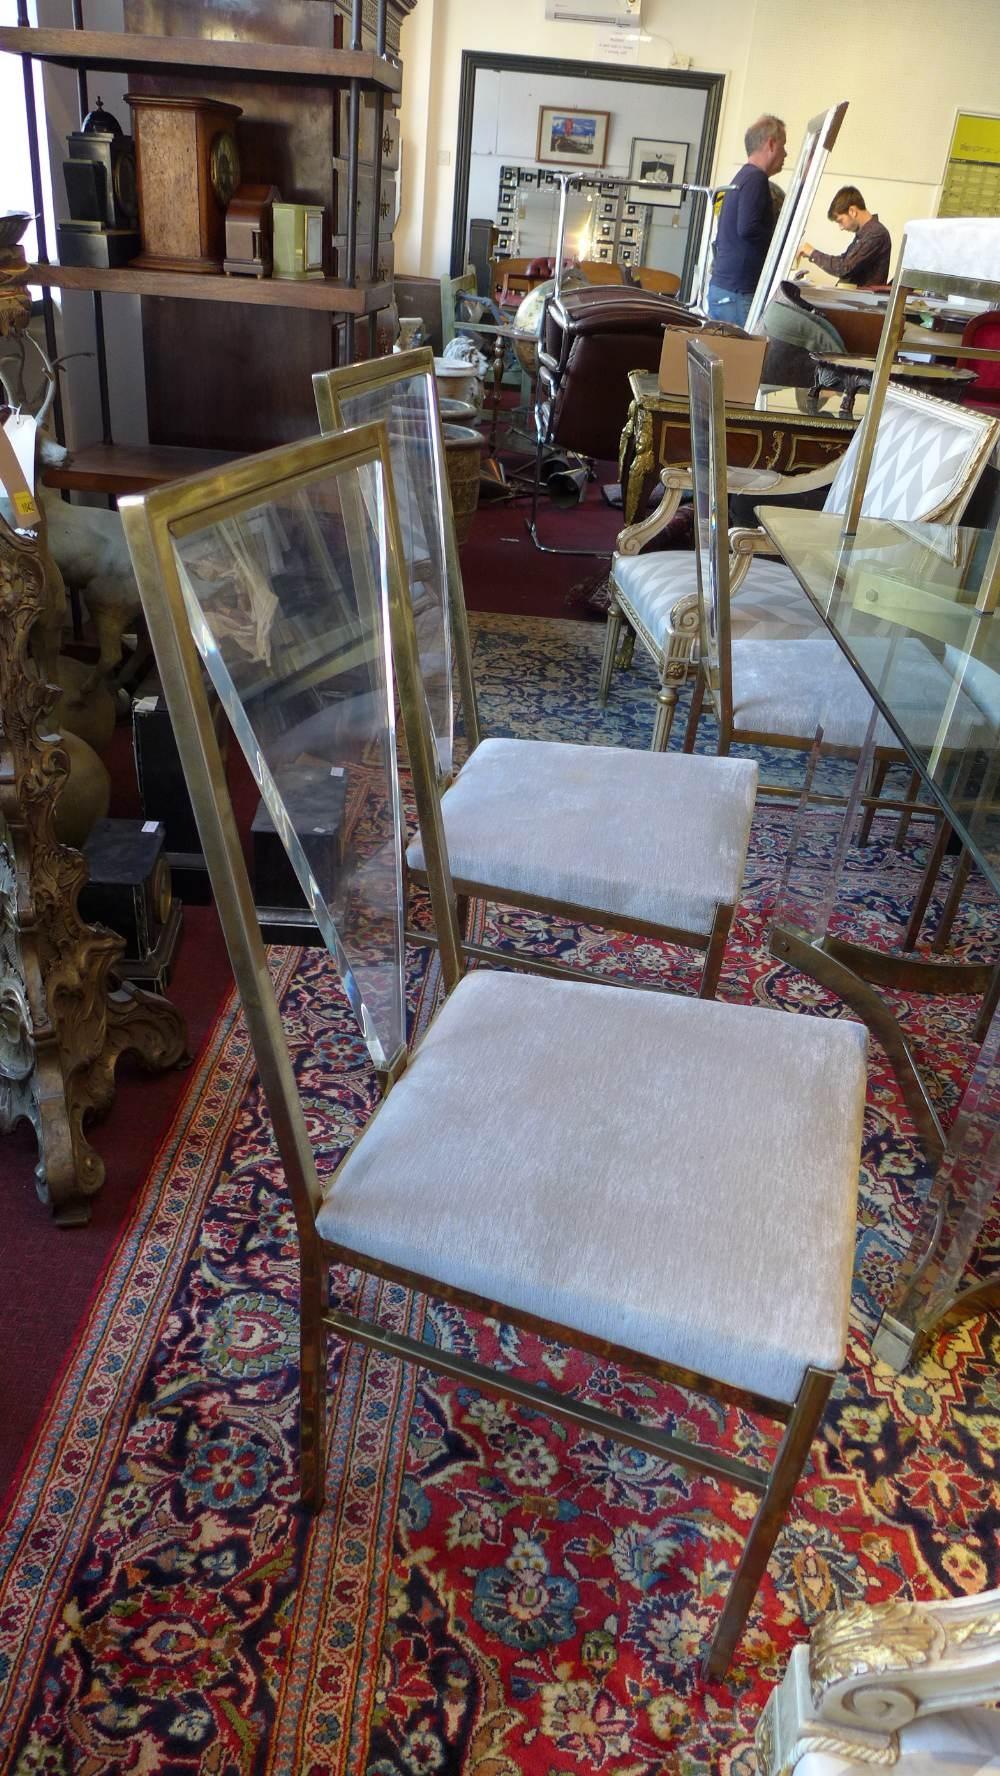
{"x": 240, "y": 378}
{"x": 118, "y": 52}
{"x": 324, "y": 295}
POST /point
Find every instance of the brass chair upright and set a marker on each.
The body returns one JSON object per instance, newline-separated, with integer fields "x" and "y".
{"x": 718, "y": 1169}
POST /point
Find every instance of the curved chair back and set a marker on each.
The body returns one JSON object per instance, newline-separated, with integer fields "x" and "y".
{"x": 928, "y": 456}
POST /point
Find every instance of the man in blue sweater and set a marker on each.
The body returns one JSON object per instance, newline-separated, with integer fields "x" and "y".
{"x": 746, "y": 223}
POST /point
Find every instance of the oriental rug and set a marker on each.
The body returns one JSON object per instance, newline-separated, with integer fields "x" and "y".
{"x": 486, "y": 1591}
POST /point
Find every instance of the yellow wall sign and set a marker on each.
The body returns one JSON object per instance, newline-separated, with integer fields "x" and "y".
{"x": 971, "y": 185}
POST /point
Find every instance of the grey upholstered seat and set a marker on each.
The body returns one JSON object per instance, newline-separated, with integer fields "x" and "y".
{"x": 712, "y": 1149}
{"x": 655, "y": 837}
{"x": 653, "y": 584}
{"x": 793, "y": 687}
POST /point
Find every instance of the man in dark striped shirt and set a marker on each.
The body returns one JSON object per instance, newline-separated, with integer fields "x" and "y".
{"x": 866, "y": 260}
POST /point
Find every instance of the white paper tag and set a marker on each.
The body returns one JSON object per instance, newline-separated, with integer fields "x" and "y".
{"x": 17, "y": 466}
{"x": 150, "y": 825}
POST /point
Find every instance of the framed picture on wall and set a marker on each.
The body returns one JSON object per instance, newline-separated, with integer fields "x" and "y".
{"x": 572, "y": 138}
{"x": 657, "y": 163}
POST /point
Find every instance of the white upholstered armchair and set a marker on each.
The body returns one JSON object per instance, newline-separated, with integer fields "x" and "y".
{"x": 899, "y": 1685}
{"x": 929, "y": 455}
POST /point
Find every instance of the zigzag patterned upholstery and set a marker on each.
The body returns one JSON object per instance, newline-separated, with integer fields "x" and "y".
{"x": 770, "y": 605}
{"x": 925, "y": 451}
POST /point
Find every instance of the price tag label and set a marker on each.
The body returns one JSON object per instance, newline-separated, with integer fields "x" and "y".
{"x": 17, "y": 466}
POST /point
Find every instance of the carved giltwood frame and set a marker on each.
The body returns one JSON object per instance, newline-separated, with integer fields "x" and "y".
{"x": 869, "y": 1670}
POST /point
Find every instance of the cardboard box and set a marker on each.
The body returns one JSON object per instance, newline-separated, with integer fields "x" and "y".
{"x": 743, "y": 360}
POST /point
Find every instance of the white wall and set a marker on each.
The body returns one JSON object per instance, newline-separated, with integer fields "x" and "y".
{"x": 906, "y": 66}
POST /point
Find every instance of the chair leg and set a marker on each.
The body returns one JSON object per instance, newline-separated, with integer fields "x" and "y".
{"x": 697, "y": 699}
{"x": 789, "y": 1463}
{"x": 906, "y": 814}
{"x": 932, "y": 868}
{"x": 953, "y": 902}
{"x": 315, "y": 1294}
{"x": 666, "y": 708}
{"x": 879, "y": 769}
{"x": 610, "y": 648}
{"x": 721, "y": 927}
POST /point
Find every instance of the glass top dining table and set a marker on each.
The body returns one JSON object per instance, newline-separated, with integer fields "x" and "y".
{"x": 909, "y": 582}
{"x": 906, "y": 584}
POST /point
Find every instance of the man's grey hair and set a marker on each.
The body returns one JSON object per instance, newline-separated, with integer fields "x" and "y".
{"x": 761, "y": 132}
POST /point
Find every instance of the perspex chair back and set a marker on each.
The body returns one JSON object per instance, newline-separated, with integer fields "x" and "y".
{"x": 952, "y": 256}
{"x": 280, "y": 578}
{"x": 401, "y": 391}
{"x": 707, "y": 403}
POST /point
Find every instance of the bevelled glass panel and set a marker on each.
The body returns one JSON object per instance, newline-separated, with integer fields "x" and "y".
{"x": 407, "y": 404}
{"x": 287, "y": 600}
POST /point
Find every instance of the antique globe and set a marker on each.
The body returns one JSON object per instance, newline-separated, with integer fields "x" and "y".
{"x": 528, "y": 317}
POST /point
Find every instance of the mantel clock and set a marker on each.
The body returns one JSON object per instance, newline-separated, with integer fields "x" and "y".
{"x": 188, "y": 165}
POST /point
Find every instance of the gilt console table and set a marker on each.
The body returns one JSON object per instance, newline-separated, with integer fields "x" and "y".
{"x": 657, "y": 433}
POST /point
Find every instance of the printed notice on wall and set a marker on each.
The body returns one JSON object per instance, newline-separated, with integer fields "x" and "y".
{"x": 618, "y": 43}
{"x": 971, "y": 184}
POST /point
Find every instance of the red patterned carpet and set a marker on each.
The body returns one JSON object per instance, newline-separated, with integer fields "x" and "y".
{"x": 485, "y": 1591}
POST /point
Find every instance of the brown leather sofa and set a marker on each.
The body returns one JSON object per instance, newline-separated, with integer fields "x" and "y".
{"x": 591, "y": 339}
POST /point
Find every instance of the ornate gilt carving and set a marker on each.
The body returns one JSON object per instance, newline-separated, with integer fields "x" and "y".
{"x": 860, "y": 1639}
{"x": 870, "y": 1670}
{"x": 60, "y": 1004}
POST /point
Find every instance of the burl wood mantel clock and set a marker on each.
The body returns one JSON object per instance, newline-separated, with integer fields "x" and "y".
{"x": 188, "y": 167}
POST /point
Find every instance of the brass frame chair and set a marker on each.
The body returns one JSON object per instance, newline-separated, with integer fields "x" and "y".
{"x": 514, "y": 1110}
{"x": 959, "y": 255}
{"x": 656, "y": 596}
{"x": 806, "y": 685}
{"x": 601, "y": 835}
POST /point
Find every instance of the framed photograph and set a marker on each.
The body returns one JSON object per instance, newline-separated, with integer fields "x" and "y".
{"x": 657, "y": 163}
{"x": 572, "y": 138}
